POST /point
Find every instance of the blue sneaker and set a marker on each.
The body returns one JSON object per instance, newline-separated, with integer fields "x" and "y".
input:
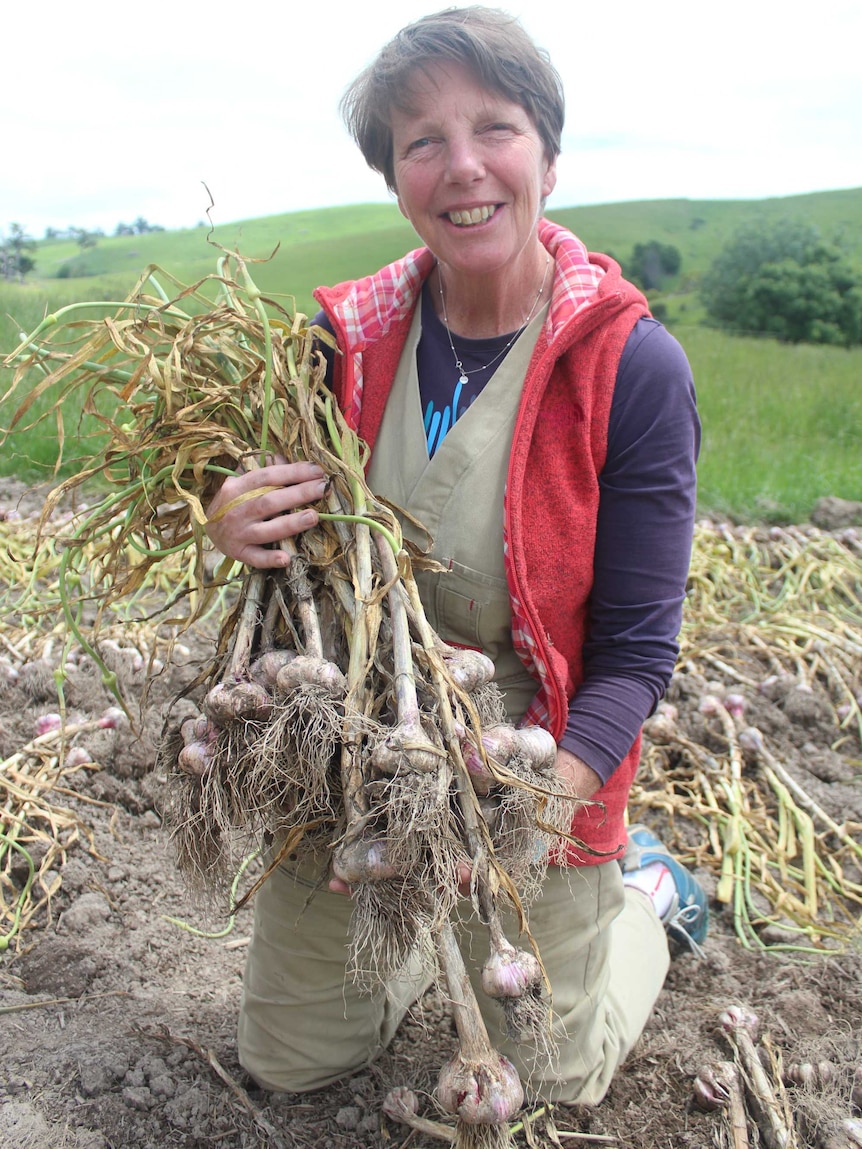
{"x": 687, "y": 919}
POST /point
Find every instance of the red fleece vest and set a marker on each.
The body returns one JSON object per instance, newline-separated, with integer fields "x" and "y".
{"x": 552, "y": 500}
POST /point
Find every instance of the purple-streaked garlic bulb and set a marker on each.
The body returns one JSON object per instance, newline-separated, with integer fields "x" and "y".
{"x": 480, "y": 1092}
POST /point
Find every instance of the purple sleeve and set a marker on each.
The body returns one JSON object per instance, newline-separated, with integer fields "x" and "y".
{"x": 643, "y": 549}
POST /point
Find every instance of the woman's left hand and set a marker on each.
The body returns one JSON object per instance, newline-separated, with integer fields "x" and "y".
{"x": 581, "y": 778}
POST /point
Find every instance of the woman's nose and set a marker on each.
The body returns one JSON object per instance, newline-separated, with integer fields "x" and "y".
{"x": 464, "y": 161}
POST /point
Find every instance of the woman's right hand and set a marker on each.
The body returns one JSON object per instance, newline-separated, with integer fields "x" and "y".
{"x": 245, "y": 531}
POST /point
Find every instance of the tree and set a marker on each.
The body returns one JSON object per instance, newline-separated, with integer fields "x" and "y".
{"x": 784, "y": 280}
{"x": 84, "y": 238}
{"x": 651, "y": 263}
{"x": 15, "y": 253}
{"x": 139, "y": 227}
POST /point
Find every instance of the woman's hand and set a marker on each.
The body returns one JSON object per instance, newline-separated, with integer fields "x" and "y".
{"x": 582, "y": 780}
{"x": 337, "y": 886}
{"x": 269, "y": 516}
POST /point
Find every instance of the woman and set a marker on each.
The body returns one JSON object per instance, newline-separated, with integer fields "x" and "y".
{"x": 522, "y": 405}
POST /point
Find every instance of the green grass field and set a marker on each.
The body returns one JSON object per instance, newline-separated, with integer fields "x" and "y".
{"x": 782, "y": 424}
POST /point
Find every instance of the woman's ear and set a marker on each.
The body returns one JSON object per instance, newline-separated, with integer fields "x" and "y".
{"x": 550, "y": 180}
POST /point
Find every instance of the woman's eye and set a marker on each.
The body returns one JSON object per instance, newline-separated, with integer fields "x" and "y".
{"x": 422, "y": 142}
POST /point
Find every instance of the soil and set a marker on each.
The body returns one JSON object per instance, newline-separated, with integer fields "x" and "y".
{"x": 120, "y": 1023}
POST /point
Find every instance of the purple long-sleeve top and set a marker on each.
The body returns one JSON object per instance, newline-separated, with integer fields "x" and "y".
{"x": 644, "y": 529}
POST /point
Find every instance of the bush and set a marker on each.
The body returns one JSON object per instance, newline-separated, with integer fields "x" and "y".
{"x": 784, "y": 280}
{"x": 76, "y": 268}
{"x": 652, "y": 263}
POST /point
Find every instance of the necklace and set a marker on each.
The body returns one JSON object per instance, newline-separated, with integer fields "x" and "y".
{"x": 462, "y": 373}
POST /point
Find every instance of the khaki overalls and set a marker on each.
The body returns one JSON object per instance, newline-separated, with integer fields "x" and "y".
{"x": 303, "y": 1024}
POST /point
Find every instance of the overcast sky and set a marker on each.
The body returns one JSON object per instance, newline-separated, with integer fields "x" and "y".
{"x": 111, "y": 111}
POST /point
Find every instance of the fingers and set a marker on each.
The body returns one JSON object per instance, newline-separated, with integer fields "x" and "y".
{"x": 336, "y": 886}
{"x": 279, "y": 474}
{"x": 268, "y": 491}
{"x": 254, "y": 509}
{"x": 259, "y": 557}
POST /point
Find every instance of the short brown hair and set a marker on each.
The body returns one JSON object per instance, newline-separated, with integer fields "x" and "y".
{"x": 492, "y": 45}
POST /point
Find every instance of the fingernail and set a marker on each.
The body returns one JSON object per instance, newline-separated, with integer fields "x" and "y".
{"x": 323, "y": 487}
{"x": 308, "y": 519}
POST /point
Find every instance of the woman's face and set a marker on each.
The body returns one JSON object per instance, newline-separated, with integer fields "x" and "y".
{"x": 471, "y": 174}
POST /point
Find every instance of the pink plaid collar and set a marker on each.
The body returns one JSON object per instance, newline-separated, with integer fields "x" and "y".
{"x": 374, "y": 303}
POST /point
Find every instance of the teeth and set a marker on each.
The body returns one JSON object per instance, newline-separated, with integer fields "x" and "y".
{"x": 474, "y": 215}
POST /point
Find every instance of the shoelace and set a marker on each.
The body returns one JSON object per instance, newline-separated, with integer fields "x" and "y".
{"x": 679, "y": 923}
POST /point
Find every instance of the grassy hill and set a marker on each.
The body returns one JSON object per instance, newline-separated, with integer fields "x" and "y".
{"x": 333, "y": 243}
{"x": 783, "y": 425}
{"x": 701, "y": 228}
{"x": 303, "y": 249}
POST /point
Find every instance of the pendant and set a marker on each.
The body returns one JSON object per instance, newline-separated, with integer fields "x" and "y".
{"x": 462, "y": 380}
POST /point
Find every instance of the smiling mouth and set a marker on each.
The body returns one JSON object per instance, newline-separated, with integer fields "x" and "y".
{"x": 472, "y": 216}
